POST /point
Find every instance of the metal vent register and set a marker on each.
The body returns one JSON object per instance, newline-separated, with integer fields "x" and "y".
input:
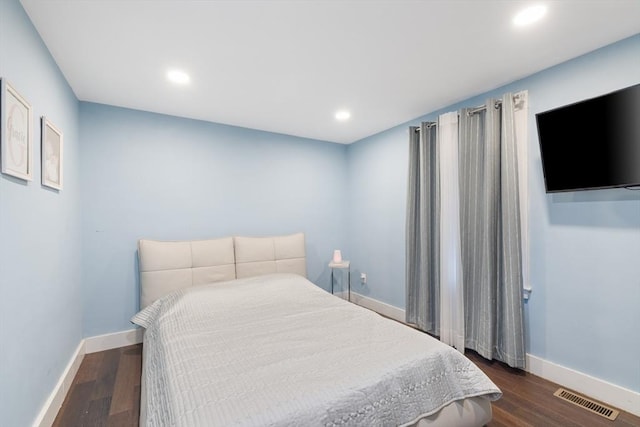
{"x": 586, "y": 403}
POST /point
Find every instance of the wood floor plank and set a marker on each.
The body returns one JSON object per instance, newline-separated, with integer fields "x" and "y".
{"x": 122, "y": 419}
{"x": 76, "y": 405}
{"x": 136, "y": 408}
{"x": 128, "y": 374}
{"x": 502, "y": 418}
{"x": 106, "y": 375}
{"x": 106, "y": 392}
{"x": 97, "y": 413}
{"x": 90, "y": 367}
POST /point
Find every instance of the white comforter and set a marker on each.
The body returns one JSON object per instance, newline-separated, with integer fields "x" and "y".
{"x": 277, "y": 350}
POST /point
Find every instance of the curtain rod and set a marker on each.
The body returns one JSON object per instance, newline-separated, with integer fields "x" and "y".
{"x": 471, "y": 111}
{"x": 429, "y": 125}
{"x": 479, "y": 108}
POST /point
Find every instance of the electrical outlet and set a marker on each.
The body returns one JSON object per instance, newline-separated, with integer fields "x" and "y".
{"x": 363, "y": 278}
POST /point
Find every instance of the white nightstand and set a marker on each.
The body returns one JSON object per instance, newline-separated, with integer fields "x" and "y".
{"x": 344, "y": 265}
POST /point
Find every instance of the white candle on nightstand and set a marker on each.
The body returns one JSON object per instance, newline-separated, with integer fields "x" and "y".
{"x": 337, "y": 256}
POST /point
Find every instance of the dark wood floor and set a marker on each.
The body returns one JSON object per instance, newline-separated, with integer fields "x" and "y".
{"x": 106, "y": 392}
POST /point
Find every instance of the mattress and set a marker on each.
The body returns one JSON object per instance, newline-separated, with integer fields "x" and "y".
{"x": 277, "y": 350}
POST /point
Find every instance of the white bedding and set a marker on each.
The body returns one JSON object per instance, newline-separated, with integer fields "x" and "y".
{"x": 277, "y": 350}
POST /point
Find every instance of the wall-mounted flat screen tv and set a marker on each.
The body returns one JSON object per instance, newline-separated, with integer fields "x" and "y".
{"x": 593, "y": 143}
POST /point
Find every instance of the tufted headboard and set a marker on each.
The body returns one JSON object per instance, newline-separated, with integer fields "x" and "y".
{"x": 168, "y": 266}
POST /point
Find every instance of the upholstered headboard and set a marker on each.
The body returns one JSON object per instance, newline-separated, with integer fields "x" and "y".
{"x": 168, "y": 266}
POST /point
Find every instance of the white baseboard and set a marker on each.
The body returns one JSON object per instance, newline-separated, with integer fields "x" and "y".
{"x": 50, "y": 409}
{"x": 385, "y": 309}
{"x": 113, "y": 340}
{"x": 614, "y": 395}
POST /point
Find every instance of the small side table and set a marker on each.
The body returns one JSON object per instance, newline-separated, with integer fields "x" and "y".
{"x": 344, "y": 265}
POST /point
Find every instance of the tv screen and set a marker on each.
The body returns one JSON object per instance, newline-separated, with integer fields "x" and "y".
{"x": 593, "y": 143}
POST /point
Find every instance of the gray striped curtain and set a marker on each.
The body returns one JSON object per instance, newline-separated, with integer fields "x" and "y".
{"x": 422, "y": 260}
{"x": 490, "y": 228}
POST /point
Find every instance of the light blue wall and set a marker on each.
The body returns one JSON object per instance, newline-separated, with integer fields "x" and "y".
{"x": 40, "y": 303}
{"x": 585, "y": 246}
{"x": 376, "y": 218}
{"x": 152, "y": 176}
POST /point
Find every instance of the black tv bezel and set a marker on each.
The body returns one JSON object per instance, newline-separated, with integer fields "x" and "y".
{"x": 630, "y": 185}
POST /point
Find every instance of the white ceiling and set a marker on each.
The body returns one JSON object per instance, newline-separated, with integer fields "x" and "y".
{"x": 287, "y": 66}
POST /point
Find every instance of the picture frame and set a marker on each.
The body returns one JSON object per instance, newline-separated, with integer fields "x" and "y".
{"x": 16, "y": 137}
{"x": 52, "y": 155}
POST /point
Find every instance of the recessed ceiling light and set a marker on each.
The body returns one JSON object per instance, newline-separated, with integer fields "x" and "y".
{"x": 178, "y": 77}
{"x": 530, "y": 15}
{"x": 343, "y": 115}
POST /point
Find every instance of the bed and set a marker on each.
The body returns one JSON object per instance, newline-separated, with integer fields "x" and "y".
{"x": 236, "y": 335}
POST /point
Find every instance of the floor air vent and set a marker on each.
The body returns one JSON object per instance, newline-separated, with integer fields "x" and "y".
{"x": 586, "y": 403}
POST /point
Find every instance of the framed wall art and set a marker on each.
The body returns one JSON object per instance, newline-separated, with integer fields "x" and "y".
{"x": 52, "y": 150}
{"x": 16, "y": 137}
